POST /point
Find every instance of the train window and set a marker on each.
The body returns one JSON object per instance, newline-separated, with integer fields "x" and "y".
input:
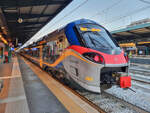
{"x": 35, "y": 52}
{"x": 61, "y": 40}
{"x": 48, "y": 53}
{"x": 30, "y": 52}
{"x": 95, "y": 37}
{"x": 66, "y": 43}
{"x": 81, "y": 40}
{"x": 63, "y": 43}
{"x": 53, "y": 49}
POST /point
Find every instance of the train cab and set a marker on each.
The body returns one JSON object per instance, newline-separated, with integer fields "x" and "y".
{"x": 96, "y": 45}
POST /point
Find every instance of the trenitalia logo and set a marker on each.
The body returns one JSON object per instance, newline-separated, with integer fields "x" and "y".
{"x": 115, "y": 59}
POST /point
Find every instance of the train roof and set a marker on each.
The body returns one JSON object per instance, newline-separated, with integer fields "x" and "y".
{"x": 71, "y": 24}
{"x": 82, "y": 21}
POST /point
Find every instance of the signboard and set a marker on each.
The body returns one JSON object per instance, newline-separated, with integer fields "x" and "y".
{"x": 131, "y": 48}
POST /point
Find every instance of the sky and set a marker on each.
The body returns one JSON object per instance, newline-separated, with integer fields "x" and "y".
{"x": 112, "y": 14}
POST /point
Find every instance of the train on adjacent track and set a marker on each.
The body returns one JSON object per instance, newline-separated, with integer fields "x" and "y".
{"x": 85, "y": 53}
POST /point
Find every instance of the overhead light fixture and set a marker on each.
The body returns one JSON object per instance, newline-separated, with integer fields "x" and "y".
{"x": 2, "y": 27}
{"x": 20, "y": 20}
{"x": 1, "y": 38}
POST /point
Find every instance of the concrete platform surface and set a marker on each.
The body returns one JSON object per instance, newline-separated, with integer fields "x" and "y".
{"x": 12, "y": 96}
{"x": 5, "y": 69}
{"x": 40, "y": 98}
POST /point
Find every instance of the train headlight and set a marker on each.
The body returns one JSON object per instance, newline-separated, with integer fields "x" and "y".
{"x": 95, "y": 57}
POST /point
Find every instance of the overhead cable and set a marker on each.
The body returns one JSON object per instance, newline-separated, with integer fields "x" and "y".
{"x": 128, "y": 14}
{"x": 144, "y": 1}
{"x": 108, "y": 8}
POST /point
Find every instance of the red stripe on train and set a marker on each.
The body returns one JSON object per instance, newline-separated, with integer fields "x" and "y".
{"x": 109, "y": 59}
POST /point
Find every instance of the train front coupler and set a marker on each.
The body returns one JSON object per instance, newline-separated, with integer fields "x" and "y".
{"x": 124, "y": 80}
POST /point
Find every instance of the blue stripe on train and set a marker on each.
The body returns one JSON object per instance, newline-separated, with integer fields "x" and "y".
{"x": 69, "y": 30}
{"x": 70, "y": 34}
{"x": 59, "y": 65}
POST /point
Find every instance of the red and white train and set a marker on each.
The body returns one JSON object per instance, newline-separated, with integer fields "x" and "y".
{"x": 85, "y": 52}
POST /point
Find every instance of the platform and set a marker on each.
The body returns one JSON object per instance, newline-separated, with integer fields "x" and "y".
{"x": 27, "y": 89}
{"x": 12, "y": 96}
{"x": 140, "y": 60}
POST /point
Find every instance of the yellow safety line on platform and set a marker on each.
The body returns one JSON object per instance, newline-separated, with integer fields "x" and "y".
{"x": 16, "y": 69}
{"x": 8, "y": 77}
{"x": 67, "y": 101}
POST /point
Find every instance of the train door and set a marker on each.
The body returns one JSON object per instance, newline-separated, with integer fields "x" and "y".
{"x": 71, "y": 62}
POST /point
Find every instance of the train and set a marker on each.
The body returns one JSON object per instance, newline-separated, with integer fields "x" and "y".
{"x": 84, "y": 53}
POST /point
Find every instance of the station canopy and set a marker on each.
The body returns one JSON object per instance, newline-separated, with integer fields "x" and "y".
{"x": 21, "y": 19}
{"x": 135, "y": 33}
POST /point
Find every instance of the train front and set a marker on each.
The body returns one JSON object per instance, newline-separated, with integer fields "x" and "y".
{"x": 108, "y": 65}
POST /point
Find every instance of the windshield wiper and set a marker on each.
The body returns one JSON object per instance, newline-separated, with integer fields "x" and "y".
{"x": 92, "y": 40}
{"x": 85, "y": 32}
{"x": 103, "y": 38}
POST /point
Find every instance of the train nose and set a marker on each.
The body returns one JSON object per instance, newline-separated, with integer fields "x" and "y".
{"x": 115, "y": 59}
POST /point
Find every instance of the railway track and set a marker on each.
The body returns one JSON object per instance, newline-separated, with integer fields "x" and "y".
{"x": 111, "y": 103}
{"x": 136, "y": 108}
{"x": 141, "y": 81}
{"x": 143, "y": 78}
{"x": 141, "y": 86}
{"x": 139, "y": 65}
{"x": 140, "y": 72}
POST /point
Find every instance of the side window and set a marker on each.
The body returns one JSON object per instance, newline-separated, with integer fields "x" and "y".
{"x": 63, "y": 43}
{"x": 49, "y": 52}
{"x": 60, "y": 44}
{"x": 53, "y": 49}
{"x": 30, "y": 52}
{"x": 36, "y": 52}
{"x": 66, "y": 44}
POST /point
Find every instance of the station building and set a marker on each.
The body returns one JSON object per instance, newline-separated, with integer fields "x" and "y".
{"x": 135, "y": 38}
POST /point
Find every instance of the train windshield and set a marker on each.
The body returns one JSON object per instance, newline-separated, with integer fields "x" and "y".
{"x": 96, "y": 37}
